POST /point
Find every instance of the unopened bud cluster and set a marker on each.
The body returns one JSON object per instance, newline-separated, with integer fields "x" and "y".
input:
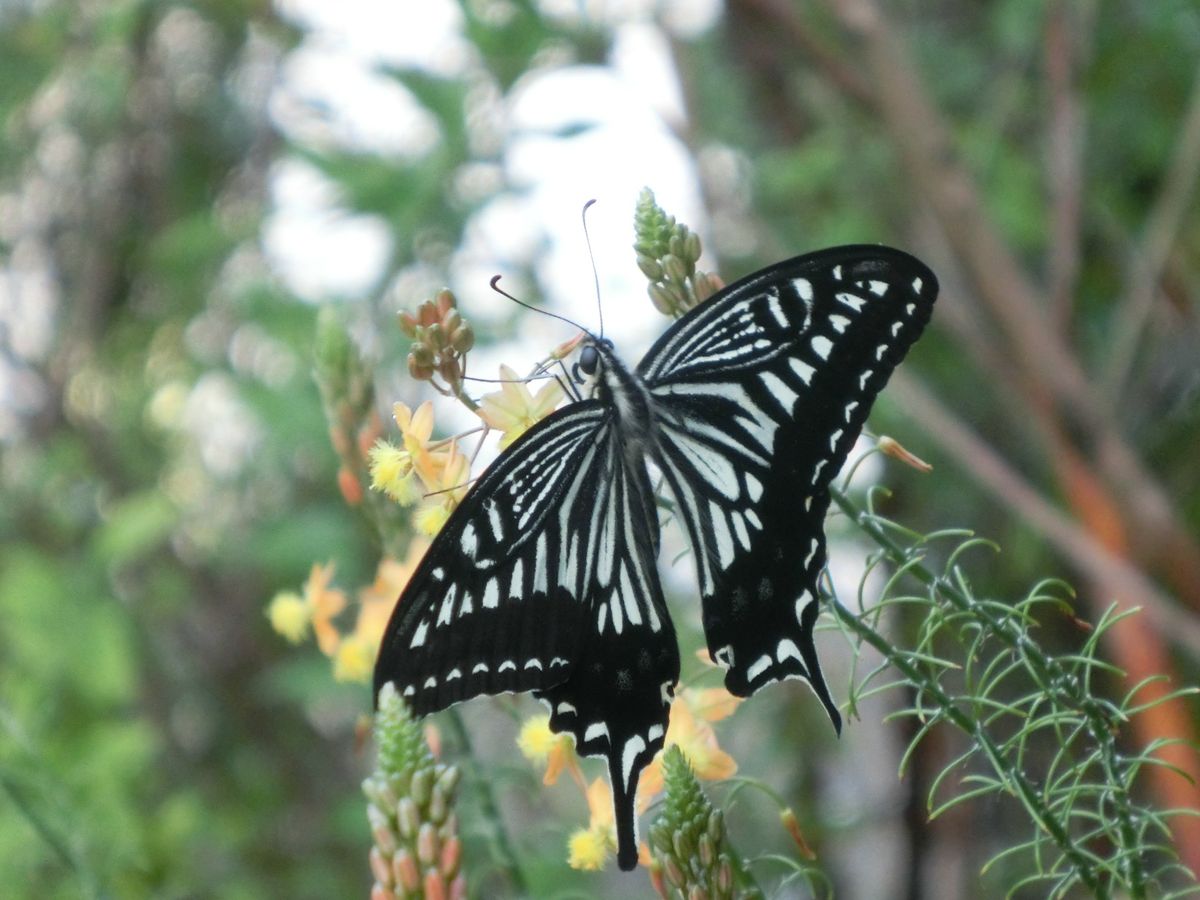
{"x": 348, "y": 395}
{"x": 688, "y": 838}
{"x": 667, "y": 253}
{"x": 417, "y": 851}
{"x": 441, "y": 338}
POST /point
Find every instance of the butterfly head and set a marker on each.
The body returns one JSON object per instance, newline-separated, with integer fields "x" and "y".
{"x": 593, "y": 358}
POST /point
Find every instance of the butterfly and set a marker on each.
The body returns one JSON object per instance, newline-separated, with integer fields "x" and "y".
{"x": 545, "y": 578}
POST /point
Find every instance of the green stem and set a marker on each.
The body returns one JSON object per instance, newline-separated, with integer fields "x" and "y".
{"x": 1064, "y": 687}
{"x": 502, "y": 847}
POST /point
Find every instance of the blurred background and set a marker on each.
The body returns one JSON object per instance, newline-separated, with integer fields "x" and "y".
{"x": 183, "y": 184}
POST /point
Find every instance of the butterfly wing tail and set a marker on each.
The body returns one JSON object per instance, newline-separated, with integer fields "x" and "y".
{"x": 624, "y": 793}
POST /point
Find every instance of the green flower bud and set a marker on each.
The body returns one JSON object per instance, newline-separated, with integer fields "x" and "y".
{"x": 676, "y": 268}
{"x": 462, "y": 339}
{"x": 650, "y": 267}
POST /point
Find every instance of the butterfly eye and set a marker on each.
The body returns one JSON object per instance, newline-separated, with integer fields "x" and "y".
{"x": 589, "y": 359}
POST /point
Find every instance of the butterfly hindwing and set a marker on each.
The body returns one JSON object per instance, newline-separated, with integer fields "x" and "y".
{"x": 760, "y": 393}
{"x": 617, "y": 700}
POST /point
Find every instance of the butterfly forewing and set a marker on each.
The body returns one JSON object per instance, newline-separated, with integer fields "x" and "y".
{"x": 759, "y": 395}
{"x": 545, "y": 579}
{"x": 497, "y": 604}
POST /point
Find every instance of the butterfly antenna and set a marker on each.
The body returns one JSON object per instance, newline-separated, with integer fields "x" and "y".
{"x": 592, "y": 258}
{"x": 495, "y": 282}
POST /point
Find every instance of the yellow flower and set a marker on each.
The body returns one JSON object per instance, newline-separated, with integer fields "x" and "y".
{"x": 446, "y": 491}
{"x": 392, "y": 472}
{"x": 354, "y": 659}
{"x": 589, "y": 848}
{"x": 289, "y": 616}
{"x": 400, "y": 471}
{"x": 513, "y": 409}
{"x": 689, "y": 728}
{"x": 324, "y": 604}
{"x": 541, "y": 745}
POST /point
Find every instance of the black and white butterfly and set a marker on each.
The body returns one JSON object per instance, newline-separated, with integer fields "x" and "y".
{"x": 544, "y": 579}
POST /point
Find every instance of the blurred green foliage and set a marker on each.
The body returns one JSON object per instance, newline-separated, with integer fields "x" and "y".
{"x": 165, "y": 462}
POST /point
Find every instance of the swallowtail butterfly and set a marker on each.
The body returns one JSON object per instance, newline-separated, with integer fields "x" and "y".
{"x": 544, "y": 579}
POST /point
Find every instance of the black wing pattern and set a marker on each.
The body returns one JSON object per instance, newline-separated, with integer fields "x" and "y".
{"x": 544, "y": 579}
{"x": 759, "y": 394}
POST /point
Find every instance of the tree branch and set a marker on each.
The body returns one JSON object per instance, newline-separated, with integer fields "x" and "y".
{"x": 1150, "y": 258}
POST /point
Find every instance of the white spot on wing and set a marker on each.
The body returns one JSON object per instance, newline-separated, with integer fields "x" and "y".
{"x": 517, "y": 585}
{"x": 853, "y": 301}
{"x": 779, "y": 390}
{"x": 803, "y": 369}
{"x": 633, "y": 747}
{"x": 839, "y": 323}
{"x": 469, "y": 541}
{"x": 759, "y": 666}
{"x": 491, "y": 595}
{"x": 822, "y": 345}
{"x": 917, "y": 283}
{"x": 419, "y": 637}
{"x": 507, "y": 666}
{"x": 739, "y": 526}
{"x": 753, "y": 486}
{"x": 776, "y": 309}
{"x": 629, "y": 596}
{"x": 879, "y": 288}
{"x": 720, "y": 529}
{"x": 595, "y": 730}
{"x": 804, "y": 288}
{"x": 787, "y": 649}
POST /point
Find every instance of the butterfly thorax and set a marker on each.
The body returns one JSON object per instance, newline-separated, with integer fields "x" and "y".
{"x": 626, "y": 395}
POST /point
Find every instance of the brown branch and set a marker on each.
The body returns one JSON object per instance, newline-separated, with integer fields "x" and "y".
{"x": 928, "y": 154}
{"x": 994, "y": 475}
{"x": 1162, "y": 228}
{"x": 783, "y": 15}
{"x": 1063, "y": 161}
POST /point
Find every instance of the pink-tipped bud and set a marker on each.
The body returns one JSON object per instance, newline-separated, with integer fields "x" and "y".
{"x": 451, "y": 857}
{"x": 428, "y": 844}
{"x": 405, "y": 871}
{"x": 896, "y": 450}
{"x": 379, "y": 867}
{"x": 435, "y": 885}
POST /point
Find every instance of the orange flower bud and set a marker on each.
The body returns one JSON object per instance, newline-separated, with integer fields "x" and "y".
{"x": 350, "y": 487}
{"x": 788, "y": 819}
{"x": 408, "y": 324}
